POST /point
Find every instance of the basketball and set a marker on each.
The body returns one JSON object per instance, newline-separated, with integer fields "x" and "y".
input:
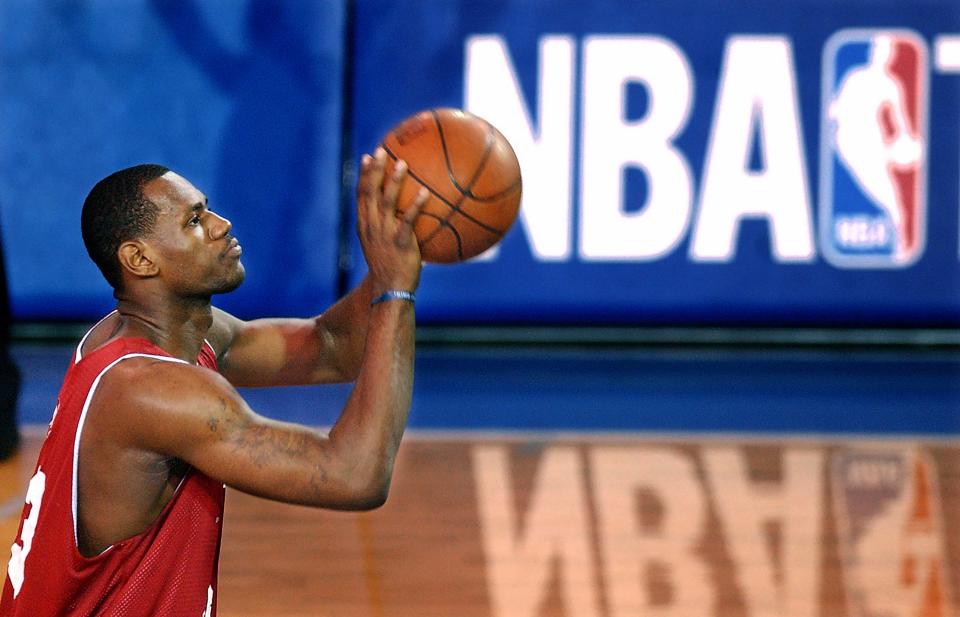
{"x": 473, "y": 177}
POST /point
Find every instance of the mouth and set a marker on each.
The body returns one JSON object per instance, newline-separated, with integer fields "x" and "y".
{"x": 234, "y": 249}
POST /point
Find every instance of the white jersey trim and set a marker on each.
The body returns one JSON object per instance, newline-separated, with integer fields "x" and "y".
{"x": 83, "y": 417}
{"x": 211, "y": 347}
{"x": 78, "y": 356}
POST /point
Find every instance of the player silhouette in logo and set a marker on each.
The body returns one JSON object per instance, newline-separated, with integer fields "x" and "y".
{"x": 872, "y": 135}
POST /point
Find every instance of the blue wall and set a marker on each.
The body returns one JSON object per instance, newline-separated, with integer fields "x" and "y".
{"x": 679, "y": 159}
{"x": 242, "y": 98}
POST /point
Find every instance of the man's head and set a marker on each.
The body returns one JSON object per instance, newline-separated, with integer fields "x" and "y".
{"x": 147, "y": 222}
{"x": 115, "y": 211}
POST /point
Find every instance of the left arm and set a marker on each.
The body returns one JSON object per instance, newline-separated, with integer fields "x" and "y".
{"x": 330, "y": 347}
{"x": 327, "y": 348}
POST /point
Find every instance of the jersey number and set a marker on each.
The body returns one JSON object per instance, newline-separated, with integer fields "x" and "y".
{"x": 19, "y": 552}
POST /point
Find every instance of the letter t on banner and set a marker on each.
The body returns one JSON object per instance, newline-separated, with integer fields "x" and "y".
{"x": 947, "y": 59}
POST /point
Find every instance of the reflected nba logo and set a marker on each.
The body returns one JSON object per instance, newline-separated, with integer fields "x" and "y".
{"x": 873, "y": 149}
{"x": 890, "y": 533}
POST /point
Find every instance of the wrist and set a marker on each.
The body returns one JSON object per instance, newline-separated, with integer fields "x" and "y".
{"x": 394, "y": 294}
{"x": 376, "y": 287}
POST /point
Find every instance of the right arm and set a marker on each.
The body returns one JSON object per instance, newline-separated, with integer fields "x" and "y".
{"x": 196, "y": 415}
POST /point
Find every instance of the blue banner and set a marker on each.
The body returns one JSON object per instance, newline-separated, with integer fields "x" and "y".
{"x": 690, "y": 163}
{"x": 693, "y": 162}
{"x": 243, "y": 98}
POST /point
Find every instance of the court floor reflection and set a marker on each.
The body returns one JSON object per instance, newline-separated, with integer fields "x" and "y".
{"x": 809, "y": 485}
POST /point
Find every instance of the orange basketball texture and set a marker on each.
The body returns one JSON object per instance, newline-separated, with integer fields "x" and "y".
{"x": 473, "y": 177}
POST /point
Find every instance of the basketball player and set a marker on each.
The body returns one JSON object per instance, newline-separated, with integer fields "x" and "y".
{"x": 124, "y": 513}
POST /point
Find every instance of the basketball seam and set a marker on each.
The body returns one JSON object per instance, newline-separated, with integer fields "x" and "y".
{"x": 443, "y": 222}
{"x": 496, "y": 196}
{"x": 465, "y": 190}
{"x": 468, "y": 189}
{"x": 454, "y": 209}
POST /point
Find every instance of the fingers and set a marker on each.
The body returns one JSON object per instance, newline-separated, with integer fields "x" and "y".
{"x": 386, "y": 236}
{"x": 392, "y": 187}
{"x": 367, "y": 194}
{"x": 371, "y": 198}
{"x": 371, "y": 175}
{"x": 378, "y": 193}
{"x": 411, "y": 214}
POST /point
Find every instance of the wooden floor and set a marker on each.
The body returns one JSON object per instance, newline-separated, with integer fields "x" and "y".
{"x": 605, "y": 526}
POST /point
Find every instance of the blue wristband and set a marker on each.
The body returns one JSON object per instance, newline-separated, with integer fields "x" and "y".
{"x": 394, "y": 294}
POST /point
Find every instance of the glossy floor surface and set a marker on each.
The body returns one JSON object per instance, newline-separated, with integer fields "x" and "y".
{"x": 613, "y": 482}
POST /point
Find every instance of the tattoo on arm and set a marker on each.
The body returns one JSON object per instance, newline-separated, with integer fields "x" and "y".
{"x": 260, "y": 443}
{"x": 265, "y": 444}
{"x": 295, "y": 453}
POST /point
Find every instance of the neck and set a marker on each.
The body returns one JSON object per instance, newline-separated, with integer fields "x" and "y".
{"x": 178, "y": 327}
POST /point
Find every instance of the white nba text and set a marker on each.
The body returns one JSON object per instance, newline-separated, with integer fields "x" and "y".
{"x": 756, "y": 94}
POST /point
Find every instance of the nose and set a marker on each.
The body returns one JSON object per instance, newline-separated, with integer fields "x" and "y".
{"x": 219, "y": 226}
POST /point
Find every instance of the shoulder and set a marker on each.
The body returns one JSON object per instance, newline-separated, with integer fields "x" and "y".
{"x": 143, "y": 373}
{"x": 155, "y": 402}
{"x": 141, "y": 387}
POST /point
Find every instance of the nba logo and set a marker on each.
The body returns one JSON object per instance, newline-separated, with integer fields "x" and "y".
{"x": 873, "y": 149}
{"x": 890, "y": 533}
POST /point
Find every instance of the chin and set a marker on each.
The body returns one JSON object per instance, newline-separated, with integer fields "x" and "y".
{"x": 228, "y": 284}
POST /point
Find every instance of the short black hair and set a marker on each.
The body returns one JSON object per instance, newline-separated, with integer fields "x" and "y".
{"x": 116, "y": 211}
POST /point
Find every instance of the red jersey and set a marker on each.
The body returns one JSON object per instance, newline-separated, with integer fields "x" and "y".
{"x": 169, "y": 569}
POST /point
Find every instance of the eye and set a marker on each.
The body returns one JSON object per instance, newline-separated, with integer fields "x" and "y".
{"x": 194, "y": 220}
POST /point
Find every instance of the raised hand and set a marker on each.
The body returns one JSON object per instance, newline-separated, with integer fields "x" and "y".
{"x": 389, "y": 245}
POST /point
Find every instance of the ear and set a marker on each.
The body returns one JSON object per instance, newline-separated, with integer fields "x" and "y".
{"x": 135, "y": 258}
